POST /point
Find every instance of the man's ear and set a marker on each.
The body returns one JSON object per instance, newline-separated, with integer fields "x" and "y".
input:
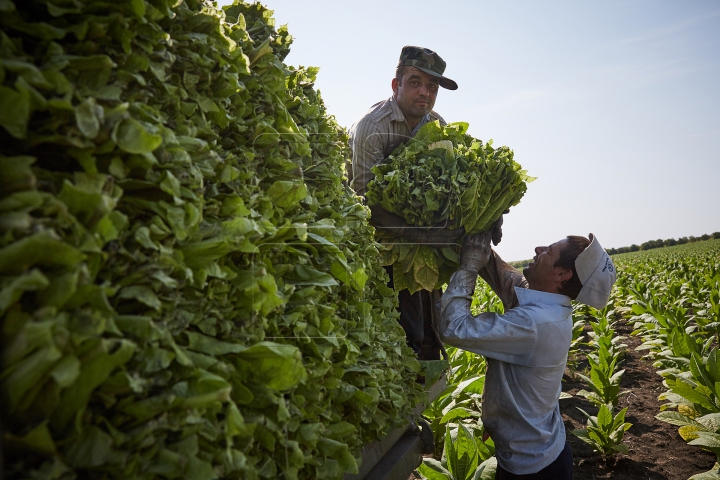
{"x": 394, "y": 85}
{"x": 564, "y": 274}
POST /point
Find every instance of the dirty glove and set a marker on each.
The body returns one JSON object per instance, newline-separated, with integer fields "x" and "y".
{"x": 497, "y": 229}
{"x": 475, "y": 252}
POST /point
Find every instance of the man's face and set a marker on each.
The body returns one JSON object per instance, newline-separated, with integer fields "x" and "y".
{"x": 416, "y": 93}
{"x": 541, "y": 273}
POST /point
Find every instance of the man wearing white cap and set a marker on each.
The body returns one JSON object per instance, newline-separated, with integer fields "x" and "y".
{"x": 526, "y": 347}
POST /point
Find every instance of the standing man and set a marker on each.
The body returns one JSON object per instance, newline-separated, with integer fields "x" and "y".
{"x": 526, "y": 347}
{"x": 379, "y": 131}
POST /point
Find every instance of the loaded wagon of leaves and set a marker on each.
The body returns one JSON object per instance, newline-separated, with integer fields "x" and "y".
{"x": 189, "y": 289}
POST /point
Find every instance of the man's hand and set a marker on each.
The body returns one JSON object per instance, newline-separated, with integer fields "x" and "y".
{"x": 497, "y": 229}
{"x": 476, "y": 252}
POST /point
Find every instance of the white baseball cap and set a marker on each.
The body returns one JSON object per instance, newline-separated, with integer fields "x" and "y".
{"x": 597, "y": 274}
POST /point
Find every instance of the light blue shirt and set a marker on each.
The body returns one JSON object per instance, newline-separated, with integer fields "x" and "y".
{"x": 526, "y": 350}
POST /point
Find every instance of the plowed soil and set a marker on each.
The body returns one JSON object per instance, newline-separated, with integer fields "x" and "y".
{"x": 656, "y": 451}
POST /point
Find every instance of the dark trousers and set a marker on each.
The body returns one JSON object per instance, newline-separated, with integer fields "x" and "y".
{"x": 416, "y": 319}
{"x": 560, "y": 469}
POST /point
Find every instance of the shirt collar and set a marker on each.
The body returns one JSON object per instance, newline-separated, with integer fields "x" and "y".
{"x": 529, "y": 296}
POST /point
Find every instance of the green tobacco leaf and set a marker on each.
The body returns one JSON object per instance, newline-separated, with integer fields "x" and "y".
{"x": 134, "y": 136}
{"x": 425, "y": 268}
{"x": 142, "y": 294}
{"x": 706, "y": 439}
{"x": 94, "y": 371}
{"x": 471, "y": 385}
{"x": 604, "y": 417}
{"x": 338, "y": 450}
{"x": 31, "y": 281}
{"x": 14, "y": 111}
{"x": 66, "y": 371}
{"x": 676, "y": 418}
{"x": 92, "y": 449}
{"x": 683, "y": 389}
{"x": 432, "y": 469}
{"x": 278, "y": 366}
{"x": 457, "y": 413}
{"x": 486, "y": 470}
{"x": 285, "y": 194}
{"x": 39, "y": 249}
{"x": 712, "y": 474}
{"x": 462, "y": 456}
{"x": 212, "y": 346}
{"x": 306, "y": 275}
{"x": 38, "y": 440}
{"x": 23, "y": 377}
{"x": 16, "y": 174}
{"x": 61, "y": 289}
{"x": 710, "y": 421}
{"x": 88, "y": 116}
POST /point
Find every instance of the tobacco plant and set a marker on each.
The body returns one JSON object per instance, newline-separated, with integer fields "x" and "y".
{"x": 605, "y": 431}
{"x": 465, "y": 457}
{"x": 603, "y": 379}
{"x": 461, "y": 399}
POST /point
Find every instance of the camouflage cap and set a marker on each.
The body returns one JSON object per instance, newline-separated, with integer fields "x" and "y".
{"x": 428, "y": 61}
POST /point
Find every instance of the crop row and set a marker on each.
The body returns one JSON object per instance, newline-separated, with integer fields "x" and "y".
{"x": 604, "y": 431}
{"x": 672, "y": 297}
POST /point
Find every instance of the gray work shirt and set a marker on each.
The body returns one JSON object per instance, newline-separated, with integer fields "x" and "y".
{"x": 372, "y": 138}
{"x": 526, "y": 350}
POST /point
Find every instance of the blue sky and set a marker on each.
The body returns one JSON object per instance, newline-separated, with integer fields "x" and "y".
{"x": 614, "y": 106}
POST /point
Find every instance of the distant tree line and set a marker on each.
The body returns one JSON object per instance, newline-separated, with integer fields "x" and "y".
{"x": 649, "y": 245}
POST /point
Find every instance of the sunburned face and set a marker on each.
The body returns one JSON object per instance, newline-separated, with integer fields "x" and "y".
{"x": 541, "y": 273}
{"x": 415, "y": 94}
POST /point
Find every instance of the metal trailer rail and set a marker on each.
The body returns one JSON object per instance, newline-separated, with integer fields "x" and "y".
{"x": 400, "y": 452}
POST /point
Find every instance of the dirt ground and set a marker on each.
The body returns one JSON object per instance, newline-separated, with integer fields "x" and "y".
{"x": 656, "y": 450}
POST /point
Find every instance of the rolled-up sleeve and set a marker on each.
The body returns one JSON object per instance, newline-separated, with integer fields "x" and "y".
{"x": 502, "y": 279}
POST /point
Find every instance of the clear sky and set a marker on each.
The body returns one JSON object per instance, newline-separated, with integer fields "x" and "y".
{"x": 613, "y": 105}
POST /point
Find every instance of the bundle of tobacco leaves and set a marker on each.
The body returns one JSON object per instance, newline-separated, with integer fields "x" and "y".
{"x": 442, "y": 177}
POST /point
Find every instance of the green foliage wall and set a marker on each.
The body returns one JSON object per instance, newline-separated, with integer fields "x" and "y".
{"x": 188, "y": 289}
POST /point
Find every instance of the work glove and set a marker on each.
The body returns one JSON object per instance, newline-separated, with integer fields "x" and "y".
{"x": 476, "y": 252}
{"x": 497, "y": 229}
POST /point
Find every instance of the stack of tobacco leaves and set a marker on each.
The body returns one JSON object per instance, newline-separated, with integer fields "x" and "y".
{"x": 442, "y": 177}
{"x": 188, "y": 289}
